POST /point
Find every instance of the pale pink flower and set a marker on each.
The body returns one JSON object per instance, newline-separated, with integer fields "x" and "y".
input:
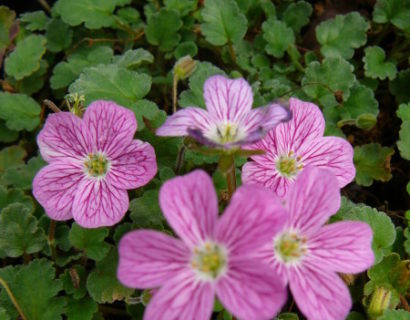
{"x": 212, "y": 256}
{"x": 308, "y": 254}
{"x": 292, "y": 146}
{"x": 229, "y": 121}
{"x": 92, "y": 163}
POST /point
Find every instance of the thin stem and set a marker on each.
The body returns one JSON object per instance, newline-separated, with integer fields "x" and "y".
{"x": 51, "y": 242}
{"x": 404, "y": 303}
{"x": 51, "y": 105}
{"x": 180, "y": 159}
{"x": 12, "y": 298}
{"x": 231, "y": 179}
{"x": 174, "y": 93}
{"x": 232, "y": 52}
{"x": 45, "y": 5}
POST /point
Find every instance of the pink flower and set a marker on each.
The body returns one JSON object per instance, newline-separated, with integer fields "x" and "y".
{"x": 92, "y": 163}
{"x": 229, "y": 121}
{"x": 307, "y": 254}
{"x": 212, "y": 256}
{"x": 294, "y": 145}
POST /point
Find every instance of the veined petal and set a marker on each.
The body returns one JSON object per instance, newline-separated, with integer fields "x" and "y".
{"x": 227, "y": 100}
{"x": 111, "y": 126}
{"x": 97, "y": 203}
{"x": 62, "y": 137}
{"x": 251, "y": 290}
{"x": 184, "y": 120}
{"x": 342, "y": 247}
{"x": 182, "y": 297}
{"x": 314, "y": 197}
{"x": 252, "y": 219}
{"x": 55, "y": 187}
{"x": 320, "y": 294}
{"x": 190, "y": 205}
{"x": 333, "y": 153}
{"x": 148, "y": 259}
{"x": 134, "y": 167}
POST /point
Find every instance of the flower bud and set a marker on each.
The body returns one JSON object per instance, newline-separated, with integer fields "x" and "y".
{"x": 379, "y": 302}
{"x": 184, "y": 67}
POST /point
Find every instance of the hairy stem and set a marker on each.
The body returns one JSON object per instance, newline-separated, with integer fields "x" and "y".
{"x": 12, "y": 298}
{"x": 232, "y": 52}
{"x": 51, "y": 242}
{"x": 180, "y": 159}
{"x": 51, "y": 105}
{"x": 174, "y": 93}
{"x": 231, "y": 179}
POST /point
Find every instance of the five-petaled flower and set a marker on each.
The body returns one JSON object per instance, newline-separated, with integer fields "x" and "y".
{"x": 229, "y": 121}
{"x": 92, "y": 163}
{"x": 292, "y": 146}
{"x": 307, "y": 254}
{"x": 212, "y": 256}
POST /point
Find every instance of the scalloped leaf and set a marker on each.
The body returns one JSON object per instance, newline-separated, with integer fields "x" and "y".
{"x": 404, "y": 142}
{"x": 375, "y": 66}
{"x": 278, "y": 37}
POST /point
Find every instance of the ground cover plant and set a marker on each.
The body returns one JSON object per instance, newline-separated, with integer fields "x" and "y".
{"x": 189, "y": 159}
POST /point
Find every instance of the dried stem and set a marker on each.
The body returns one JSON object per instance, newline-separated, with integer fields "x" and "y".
{"x": 174, "y": 93}
{"x": 404, "y": 303}
{"x": 45, "y": 5}
{"x": 51, "y": 242}
{"x": 12, "y": 298}
{"x": 51, "y": 105}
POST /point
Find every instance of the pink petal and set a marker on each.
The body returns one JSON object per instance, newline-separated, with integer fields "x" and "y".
{"x": 251, "y": 290}
{"x": 190, "y": 205}
{"x": 252, "y": 218}
{"x": 148, "y": 259}
{"x": 134, "y": 167}
{"x": 62, "y": 137}
{"x": 226, "y": 99}
{"x": 182, "y": 297}
{"x": 320, "y": 294}
{"x": 314, "y": 197}
{"x": 112, "y": 127}
{"x": 333, "y": 153}
{"x": 98, "y": 204}
{"x": 342, "y": 247}
{"x": 266, "y": 255}
{"x": 184, "y": 119}
{"x": 55, "y": 187}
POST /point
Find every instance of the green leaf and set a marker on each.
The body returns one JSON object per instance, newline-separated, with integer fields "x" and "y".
{"x": 399, "y": 86}
{"x": 95, "y": 14}
{"x": 7, "y": 17}
{"x": 83, "y": 309}
{"x": 3, "y": 314}
{"x": 34, "y": 82}
{"x": 35, "y": 288}
{"x": 321, "y": 81}
{"x": 132, "y": 59}
{"x": 15, "y": 196}
{"x": 188, "y": 48}
{"x": 375, "y": 66}
{"x": 223, "y": 22}
{"x": 297, "y": 15}
{"x": 22, "y": 176}
{"x": 341, "y": 35}
{"x": 7, "y": 135}
{"x": 65, "y": 73}
{"x": 395, "y": 315}
{"x": 145, "y": 109}
{"x": 194, "y": 96}
{"x": 278, "y": 36}
{"x": 102, "y": 283}
{"x": 54, "y": 31}
{"x": 19, "y": 111}
{"x": 372, "y": 162}
{"x": 36, "y": 20}
{"x": 287, "y": 316}
{"x": 74, "y": 280}
{"x": 404, "y": 142}
{"x": 111, "y": 82}
{"x": 395, "y": 11}
{"x": 145, "y": 210}
{"x": 11, "y": 157}
{"x": 162, "y": 29}
{"x": 25, "y": 58}
{"x": 183, "y": 7}
{"x": 384, "y": 233}
{"x": 90, "y": 240}
{"x": 19, "y": 232}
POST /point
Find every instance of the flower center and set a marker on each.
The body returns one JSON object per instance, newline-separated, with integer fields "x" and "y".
{"x": 226, "y": 132}
{"x": 209, "y": 260}
{"x": 96, "y": 165}
{"x": 290, "y": 247}
{"x": 288, "y": 165}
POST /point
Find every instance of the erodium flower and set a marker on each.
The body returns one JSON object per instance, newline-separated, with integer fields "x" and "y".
{"x": 308, "y": 254}
{"x": 229, "y": 121}
{"x": 92, "y": 163}
{"x": 212, "y": 256}
{"x": 294, "y": 145}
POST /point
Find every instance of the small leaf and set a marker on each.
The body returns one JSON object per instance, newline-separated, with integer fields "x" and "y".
{"x": 145, "y": 109}
{"x": 11, "y": 196}
{"x": 102, "y": 283}
{"x": 90, "y": 240}
{"x": 36, "y": 20}
{"x": 7, "y": 17}
{"x": 183, "y": 7}
{"x": 372, "y": 162}
{"x": 22, "y": 176}
{"x": 395, "y": 315}
{"x": 162, "y": 29}
{"x": 54, "y": 31}
{"x": 188, "y": 48}
{"x": 145, "y": 210}
{"x": 83, "y": 309}
{"x": 34, "y": 82}
{"x": 395, "y": 11}
{"x": 375, "y": 66}
{"x": 278, "y": 36}
{"x": 223, "y": 22}
{"x": 404, "y": 142}
{"x": 11, "y": 157}
{"x": 25, "y": 59}
{"x": 74, "y": 279}
{"x": 399, "y": 86}
{"x": 7, "y": 135}
{"x": 132, "y": 59}
{"x": 297, "y": 15}
{"x": 341, "y": 35}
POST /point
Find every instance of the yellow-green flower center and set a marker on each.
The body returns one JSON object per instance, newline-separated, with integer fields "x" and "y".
{"x": 96, "y": 165}
{"x": 290, "y": 247}
{"x": 209, "y": 260}
{"x": 288, "y": 165}
{"x": 225, "y": 132}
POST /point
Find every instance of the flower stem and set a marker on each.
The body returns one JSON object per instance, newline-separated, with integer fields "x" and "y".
{"x": 51, "y": 242}
{"x": 51, "y": 105}
{"x": 174, "y": 93}
{"x": 12, "y": 298}
{"x": 180, "y": 159}
{"x": 231, "y": 178}
{"x": 232, "y": 52}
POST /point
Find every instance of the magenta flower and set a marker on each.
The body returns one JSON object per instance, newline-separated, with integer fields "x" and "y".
{"x": 229, "y": 121}
{"x": 307, "y": 254}
{"x": 92, "y": 163}
{"x": 212, "y": 256}
{"x": 294, "y": 145}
